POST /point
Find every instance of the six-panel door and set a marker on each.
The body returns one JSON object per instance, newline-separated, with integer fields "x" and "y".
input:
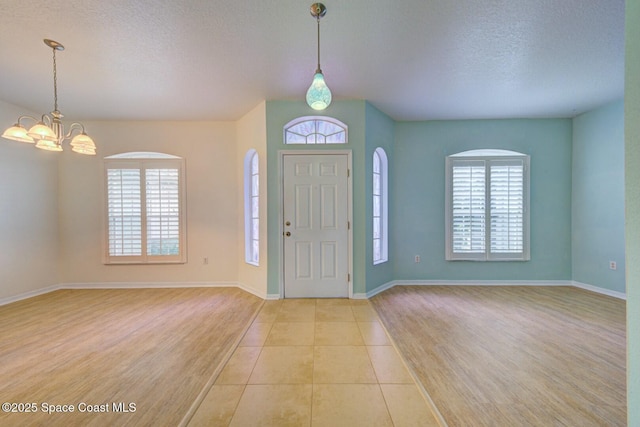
{"x": 316, "y": 261}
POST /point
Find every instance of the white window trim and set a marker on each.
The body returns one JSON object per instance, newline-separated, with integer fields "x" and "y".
{"x": 142, "y": 161}
{"x": 384, "y": 206}
{"x": 486, "y": 156}
{"x": 249, "y": 238}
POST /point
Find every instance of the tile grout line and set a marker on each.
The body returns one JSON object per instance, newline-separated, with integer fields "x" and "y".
{"x": 235, "y": 409}
{"x": 214, "y": 376}
{"x": 262, "y": 346}
{"x": 425, "y": 394}
{"x": 366, "y": 347}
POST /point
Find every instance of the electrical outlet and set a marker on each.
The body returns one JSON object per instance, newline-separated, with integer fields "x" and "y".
{"x": 613, "y": 265}
{"x": 417, "y": 258}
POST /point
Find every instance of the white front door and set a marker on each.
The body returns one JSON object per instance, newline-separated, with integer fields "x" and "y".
{"x": 315, "y": 224}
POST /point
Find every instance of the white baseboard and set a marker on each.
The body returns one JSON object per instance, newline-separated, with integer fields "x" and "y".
{"x": 251, "y": 290}
{"x": 572, "y": 283}
{"x": 381, "y": 288}
{"x": 147, "y": 285}
{"x": 128, "y": 285}
{"x": 30, "y": 294}
{"x": 483, "y": 282}
{"x": 603, "y": 291}
{"x": 369, "y": 294}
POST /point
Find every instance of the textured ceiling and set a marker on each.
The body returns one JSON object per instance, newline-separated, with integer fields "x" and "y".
{"x": 215, "y": 59}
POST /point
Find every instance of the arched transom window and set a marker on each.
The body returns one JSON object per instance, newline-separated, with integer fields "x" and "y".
{"x": 315, "y": 130}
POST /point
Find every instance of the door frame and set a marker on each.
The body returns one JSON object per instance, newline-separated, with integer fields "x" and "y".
{"x": 281, "y": 155}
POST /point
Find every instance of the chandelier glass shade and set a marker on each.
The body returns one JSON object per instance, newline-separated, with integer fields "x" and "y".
{"x": 48, "y": 133}
{"x": 318, "y": 94}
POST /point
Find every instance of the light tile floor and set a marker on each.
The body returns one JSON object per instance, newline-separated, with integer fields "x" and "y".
{"x": 308, "y": 362}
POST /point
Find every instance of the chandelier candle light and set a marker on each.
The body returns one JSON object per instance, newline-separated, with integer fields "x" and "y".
{"x": 48, "y": 133}
{"x": 318, "y": 95}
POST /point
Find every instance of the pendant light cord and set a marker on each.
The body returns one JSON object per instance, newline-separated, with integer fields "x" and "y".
{"x": 318, "y": 70}
{"x": 55, "y": 82}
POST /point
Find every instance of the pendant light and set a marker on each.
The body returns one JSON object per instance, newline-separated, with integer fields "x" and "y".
{"x": 48, "y": 133}
{"x": 318, "y": 95}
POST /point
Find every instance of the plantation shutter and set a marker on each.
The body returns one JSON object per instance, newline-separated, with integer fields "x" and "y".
{"x": 163, "y": 211}
{"x": 507, "y": 206}
{"x": 468, "y": 206}
{"x": 124, "y": 212}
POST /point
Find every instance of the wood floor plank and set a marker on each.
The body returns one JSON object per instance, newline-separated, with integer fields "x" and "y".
{"x": 505, "y": 356}
{"x": 155, "y": 348}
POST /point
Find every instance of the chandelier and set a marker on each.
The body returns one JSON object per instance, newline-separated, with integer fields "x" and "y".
{"x": 318, "y": 94}
{"x": 48, "y": 133}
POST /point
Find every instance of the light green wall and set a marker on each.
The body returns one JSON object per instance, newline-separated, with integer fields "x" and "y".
{"x": 632, "y": 200}
{"x": 368, "y": 129}
{"x": 598, "y": 197}
{"x": 418, "y": 206}
{"x": 352, "y": 113}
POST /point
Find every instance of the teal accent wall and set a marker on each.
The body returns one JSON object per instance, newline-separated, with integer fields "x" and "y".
{"x": 418, "y": 209}
{"x": 632, "y": 201}
{"x": 379, "y": 132}
{"x": 598, "y": 197}
{"x": 278, "y": 114}
{"x": 369, "y": 128}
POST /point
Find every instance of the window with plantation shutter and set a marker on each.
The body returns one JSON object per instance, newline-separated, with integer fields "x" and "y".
{"x": 145, "y": 209}
{"x": 487, "y": 200}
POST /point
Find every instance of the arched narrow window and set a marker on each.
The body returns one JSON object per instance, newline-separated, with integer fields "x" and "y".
{"x": 251, "y": 208}
{"x": 380, "y": 207}
{"x": 487, "y": 206}
{"x": 315, "y": 130}
{"x": 145, "y": 208}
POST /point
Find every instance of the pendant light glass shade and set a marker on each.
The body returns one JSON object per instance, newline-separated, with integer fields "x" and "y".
{"x": 48, "y": 145}
{"x": 18, "y": 133}
{"x": 83, "y": 144}
{"x": 42, "y": 131}
{"x": 318, "y": 95}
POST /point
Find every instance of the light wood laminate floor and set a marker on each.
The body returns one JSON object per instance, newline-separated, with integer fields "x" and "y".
{"x": 513, "y": 356}
{"x": 155, "y": 349}
{"x": 320, "y": 363}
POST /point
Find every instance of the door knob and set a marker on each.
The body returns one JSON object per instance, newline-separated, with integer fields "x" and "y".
{"x": 288, "y": 223}
{"x": 288, "y": 233}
